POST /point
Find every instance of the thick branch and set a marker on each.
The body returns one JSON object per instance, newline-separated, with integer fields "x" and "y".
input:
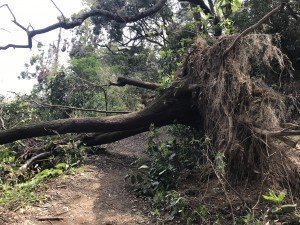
{"x": 26, "y": 165}
{"x": 100, "y": 139}
{"x": 80, "y": 19}
{"x": 173, "y": 105}
{"x": 122, "y": 81}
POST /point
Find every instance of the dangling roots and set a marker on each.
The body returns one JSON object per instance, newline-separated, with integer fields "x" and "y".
{"x": 244, "y": 109}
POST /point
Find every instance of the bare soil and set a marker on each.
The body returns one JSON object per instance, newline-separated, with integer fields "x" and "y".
{"x": 95, "y": 195}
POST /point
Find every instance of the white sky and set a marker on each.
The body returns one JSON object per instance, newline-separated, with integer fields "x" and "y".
{"x": 38, "y": 13}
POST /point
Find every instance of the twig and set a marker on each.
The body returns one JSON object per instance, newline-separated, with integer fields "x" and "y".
{"x": 253, "y": 27}
{"x": 230, "y": 128}
{"x": 49, "y": 218}
{"x": 63, "y": 16}
{"x": 260, "y": 193}
{"x": 102, "y": 87}
{"x": 291, "y": 125}
{"x": 7, "y": 6}
{"x": 5, "y": 30}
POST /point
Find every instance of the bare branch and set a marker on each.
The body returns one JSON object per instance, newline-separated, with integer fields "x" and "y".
{"x": 7, "y": 6}
{"x": 101, "y": 87}
{"x": 80, "y": 19}
{"x": 55, "y": 218}
{"x": 78, "y": 109}
{"x": 288, "y": 141}
{"x": 28, "y": 163}
{"x": 5, "y": 30}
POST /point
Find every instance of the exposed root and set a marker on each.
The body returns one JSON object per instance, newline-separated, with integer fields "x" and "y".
{"x": 243, "y": 104}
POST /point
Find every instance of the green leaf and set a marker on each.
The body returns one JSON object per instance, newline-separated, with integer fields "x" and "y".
{"x": 236, "y": 4}
{"x": 272, "y": 197}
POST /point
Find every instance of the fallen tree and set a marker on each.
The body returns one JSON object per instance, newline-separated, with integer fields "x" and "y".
{"x": 227, "y": 91}
{"x": 225, "y": 97}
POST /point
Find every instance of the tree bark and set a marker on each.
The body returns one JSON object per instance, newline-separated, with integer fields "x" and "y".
{"x": 122, "y": 81}
{"x": 105, "y": 138}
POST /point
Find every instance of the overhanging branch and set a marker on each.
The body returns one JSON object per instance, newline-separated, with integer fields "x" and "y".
{"x": 79, "y": 20}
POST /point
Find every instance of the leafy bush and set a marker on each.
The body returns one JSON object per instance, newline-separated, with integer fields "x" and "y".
{"x": 157, "y": 176}
{"x": 162, "y": 169}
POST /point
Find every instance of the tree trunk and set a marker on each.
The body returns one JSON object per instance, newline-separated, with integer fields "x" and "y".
{"x": 172, "y": 105}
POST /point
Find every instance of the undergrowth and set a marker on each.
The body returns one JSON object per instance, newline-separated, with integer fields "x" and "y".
{"x": 20, "y": 182}
{"x": 176, "y": 170}
{"x": 157, "y": 176}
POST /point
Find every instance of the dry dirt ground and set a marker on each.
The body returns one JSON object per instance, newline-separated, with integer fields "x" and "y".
{"x": 96, "y": 195}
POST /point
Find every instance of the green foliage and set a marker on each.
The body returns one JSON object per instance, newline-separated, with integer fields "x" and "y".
{"x": 249, "y": 220}
{"x": 166, "y": 161}
{"x": 7, "y": 164}
{"x": 19, "y": 186}
{"x": 25, "y": 193}
{"x": 275, "y": 198}
{"x": 158, "y": 176}
{"x": 174, "y": 203}
{"x": 277, "y": 211}
{"x": 17, "y": 112}
{"x": 220, "y": 162}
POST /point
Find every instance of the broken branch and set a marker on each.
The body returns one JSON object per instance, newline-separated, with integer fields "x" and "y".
{"x": 25, "y": 166}
{"x": 122, "y": 81}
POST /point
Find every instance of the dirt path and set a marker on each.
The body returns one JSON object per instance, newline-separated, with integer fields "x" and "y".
{"x": 95, "y": 196}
